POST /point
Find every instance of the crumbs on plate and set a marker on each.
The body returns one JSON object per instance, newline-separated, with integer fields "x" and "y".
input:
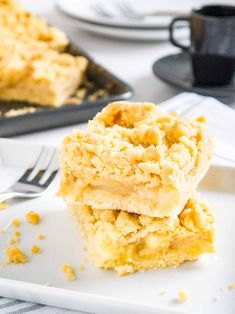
{"x": 41, "y": 237}
{"x": 182, "y": 296}
{"x": 36, "y": 249}
{"x": 32, "y": 217}
{"x": 16, "y": 222}
{"x": 13, "y": 240}
{"x": 81, "y": 267}
{"x": 17, "y": 233}
{"x": 69, "y": 272}
{"x": 16, "y": 255}
{"x": 3, "y": 205}
{"x": 231, "y": 286}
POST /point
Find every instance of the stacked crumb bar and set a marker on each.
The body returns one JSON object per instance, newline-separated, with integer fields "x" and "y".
{"x": 129, "y": 181}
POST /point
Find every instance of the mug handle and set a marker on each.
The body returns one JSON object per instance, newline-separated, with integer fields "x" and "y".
{"x": 171, "y": 30}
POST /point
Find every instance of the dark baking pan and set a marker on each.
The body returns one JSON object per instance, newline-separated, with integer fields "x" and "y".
{"x": 100, "y": 88}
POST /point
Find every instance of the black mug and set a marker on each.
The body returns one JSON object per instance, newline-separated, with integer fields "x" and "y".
{"x": 212, "y": 47}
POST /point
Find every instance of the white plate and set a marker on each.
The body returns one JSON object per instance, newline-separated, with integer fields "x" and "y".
{"x": 129, "y": 34}
{"x": 99, "y": 291}
{"x": 80, "y": 13}
{"x": 82, "y": 10}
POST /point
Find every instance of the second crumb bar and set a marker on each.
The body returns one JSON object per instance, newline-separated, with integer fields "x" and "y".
{"x": 128, "y": 242}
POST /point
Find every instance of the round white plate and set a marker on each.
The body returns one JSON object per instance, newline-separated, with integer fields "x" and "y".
{"x": 84, "y": 12}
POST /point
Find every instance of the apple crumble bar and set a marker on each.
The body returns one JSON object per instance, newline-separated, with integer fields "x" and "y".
{"x": 33, "y": 66}
{"x": 35, "y": 75}
{"x": 129, "y": 242}
{"x": 26, "y": 27}
{"x": 135, "y": 158}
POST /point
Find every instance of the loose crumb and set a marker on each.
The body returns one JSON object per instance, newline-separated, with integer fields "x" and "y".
{"x": 231, "y": 286}
{"x": 19, "y": 112}
{"x": 85, "y": 260}
{"x": 2, "y": 230}
{"x": 16, "y": 222}
{"x": 182, "y": 295}
{"x": 17, "y": 233}
{"x": 3, "y": 206}
{"x": 47, "y": 284}
{"x": 13, "y": 240}
{"x": 84, "y": 249}
{"x": 36, "y": 249}
{"x": 1, "y": 265}
{"x": 221, "y": 288}
{"x": 81, "y": 267}
{"x": 69, "y": 272}
{"x": 15, "y": 255}
{"x": 40, "y": 237}
{"x": 163, "y": 292}
{"x": 33, "y": 217}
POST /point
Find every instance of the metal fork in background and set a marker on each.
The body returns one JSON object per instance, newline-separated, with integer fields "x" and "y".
{"x": 99, "y": 9}
{"x": 128, "y": 11}
{"x": 36, "y": 180}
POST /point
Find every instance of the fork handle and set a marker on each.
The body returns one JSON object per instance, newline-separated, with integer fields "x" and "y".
{"x": 8, "y": 195}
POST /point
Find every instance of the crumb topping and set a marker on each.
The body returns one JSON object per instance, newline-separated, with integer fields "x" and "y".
{"x": 135, "y": 142}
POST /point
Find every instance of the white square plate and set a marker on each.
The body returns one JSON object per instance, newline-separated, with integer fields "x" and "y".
{"x": 100, "y": 291}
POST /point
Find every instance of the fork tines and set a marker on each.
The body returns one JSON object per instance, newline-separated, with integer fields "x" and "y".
{"x": 44, "y": 170}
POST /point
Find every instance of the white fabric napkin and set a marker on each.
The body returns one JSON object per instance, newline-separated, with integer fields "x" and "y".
{"x": 220, "y": 119}
{"x": 10, "y": 306}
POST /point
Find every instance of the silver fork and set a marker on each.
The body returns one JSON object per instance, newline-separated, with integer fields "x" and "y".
{"x": 128, "y": 11}
{"x": 36, "y": 180}
{"x": 99, "y": 9}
